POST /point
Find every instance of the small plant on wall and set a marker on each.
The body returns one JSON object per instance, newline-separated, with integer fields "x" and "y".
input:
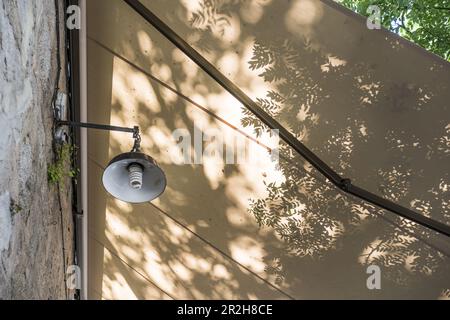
{"x": 61, "y": 168}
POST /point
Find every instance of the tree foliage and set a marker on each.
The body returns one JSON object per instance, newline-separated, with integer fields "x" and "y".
{"x": 426, "y": 23}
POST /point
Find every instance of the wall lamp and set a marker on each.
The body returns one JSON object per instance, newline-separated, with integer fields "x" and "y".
{"x": 132, "y": 177}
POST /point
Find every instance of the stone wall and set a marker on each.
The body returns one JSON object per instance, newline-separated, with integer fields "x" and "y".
{"x": 34, "y": 215}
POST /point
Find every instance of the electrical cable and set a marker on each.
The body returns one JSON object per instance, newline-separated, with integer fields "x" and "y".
{"x": 72, "y": 85}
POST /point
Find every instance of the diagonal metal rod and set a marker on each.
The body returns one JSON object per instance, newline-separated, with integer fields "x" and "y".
{"x": 342, "y": 183}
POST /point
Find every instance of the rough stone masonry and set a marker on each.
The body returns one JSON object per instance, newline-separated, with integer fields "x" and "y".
{"x": 35, "y": 216}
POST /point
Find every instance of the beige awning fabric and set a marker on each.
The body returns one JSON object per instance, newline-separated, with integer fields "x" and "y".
{"x": 255, "y": 229}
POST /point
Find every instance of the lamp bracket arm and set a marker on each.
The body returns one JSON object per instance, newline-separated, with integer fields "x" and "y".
{"x": 97, "y": 126}
{"x": 135, "y": 130}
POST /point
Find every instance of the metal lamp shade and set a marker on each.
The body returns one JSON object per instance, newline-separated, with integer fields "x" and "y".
{"x": 116, "y": 178}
